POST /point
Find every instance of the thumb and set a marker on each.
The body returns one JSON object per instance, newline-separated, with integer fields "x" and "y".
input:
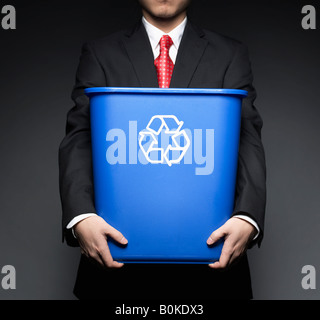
{"x": 116, "y": 235}
{"x": 216, "y": 235}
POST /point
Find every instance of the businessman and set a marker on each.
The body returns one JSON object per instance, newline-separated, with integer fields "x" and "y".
{"x": 163, "y": 41}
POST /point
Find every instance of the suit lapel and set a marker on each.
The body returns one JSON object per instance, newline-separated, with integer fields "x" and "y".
{"x": 140, "y": 54}
{"x": 190, "y": 52}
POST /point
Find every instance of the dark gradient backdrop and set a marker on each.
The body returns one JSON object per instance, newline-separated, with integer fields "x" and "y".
{"x": 38, "y": 64}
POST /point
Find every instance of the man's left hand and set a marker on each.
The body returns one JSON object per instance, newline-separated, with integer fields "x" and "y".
{"x": 237, "y": 233}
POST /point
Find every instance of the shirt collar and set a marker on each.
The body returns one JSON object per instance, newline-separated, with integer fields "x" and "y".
{"x": 155, "y": 34}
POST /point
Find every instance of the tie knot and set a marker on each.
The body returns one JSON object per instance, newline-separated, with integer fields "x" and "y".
{"x": 165, "y": 42}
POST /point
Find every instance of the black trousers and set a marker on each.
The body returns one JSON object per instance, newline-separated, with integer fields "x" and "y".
{"x": 162, "y": 281}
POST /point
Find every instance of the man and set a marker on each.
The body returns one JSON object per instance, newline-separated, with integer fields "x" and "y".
{"x": 201, "y": 59}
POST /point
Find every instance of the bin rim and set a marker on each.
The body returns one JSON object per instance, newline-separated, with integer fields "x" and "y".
{"x": 194, "y": 91}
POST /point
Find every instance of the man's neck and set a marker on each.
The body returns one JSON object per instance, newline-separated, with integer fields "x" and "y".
{"x": 167, "y": 24}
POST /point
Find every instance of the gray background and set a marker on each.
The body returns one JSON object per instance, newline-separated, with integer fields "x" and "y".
{"x": 38, "y": 64}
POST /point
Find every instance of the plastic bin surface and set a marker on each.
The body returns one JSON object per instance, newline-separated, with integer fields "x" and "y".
{"x": 164, "y": 169}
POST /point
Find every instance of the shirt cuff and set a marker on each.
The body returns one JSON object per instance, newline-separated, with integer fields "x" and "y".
{"x": 77, "y": 219}
{"x": 251, "y": 221}
{"x": 81, "y": 217}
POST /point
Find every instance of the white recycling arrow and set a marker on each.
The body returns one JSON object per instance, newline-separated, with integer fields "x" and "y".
{"x": 171, "y": 126}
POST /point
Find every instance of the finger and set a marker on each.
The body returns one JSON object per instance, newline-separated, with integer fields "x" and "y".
{"x": 238, "y": 253}
{"x": 216, "y": 236}
{"x": 225, "y": 257}
{"x": 116, "y": 235}
{"x": 107, "y": 259}
{"x": 215, "y": 265}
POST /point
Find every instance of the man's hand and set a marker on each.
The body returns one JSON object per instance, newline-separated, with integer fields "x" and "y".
{"x": 238, "y": 233}
{"x": 92, "y": 235}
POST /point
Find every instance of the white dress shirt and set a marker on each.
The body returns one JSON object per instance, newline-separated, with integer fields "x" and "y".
{"x": 155, "y": 35}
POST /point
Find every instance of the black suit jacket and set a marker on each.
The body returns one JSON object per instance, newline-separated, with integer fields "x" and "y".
{"x": 125, "y": 59}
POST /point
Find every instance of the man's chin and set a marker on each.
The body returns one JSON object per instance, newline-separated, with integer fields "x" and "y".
{"x": 164, "y": 15}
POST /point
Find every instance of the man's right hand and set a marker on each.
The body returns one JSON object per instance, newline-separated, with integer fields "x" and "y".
{"x": 92, "y": 234}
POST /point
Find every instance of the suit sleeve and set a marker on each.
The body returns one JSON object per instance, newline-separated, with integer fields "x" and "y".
{"x": 250, "y": 197}
{"x": 75, "y": 163}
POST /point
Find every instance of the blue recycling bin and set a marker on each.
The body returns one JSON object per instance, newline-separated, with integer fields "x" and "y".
{"x": 164, "y": 169}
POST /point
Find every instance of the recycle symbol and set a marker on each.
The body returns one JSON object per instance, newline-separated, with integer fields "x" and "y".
{"x": 171, "y": 126}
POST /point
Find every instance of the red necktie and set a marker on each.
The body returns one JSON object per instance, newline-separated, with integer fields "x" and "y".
{"x": 163, "y": 63}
